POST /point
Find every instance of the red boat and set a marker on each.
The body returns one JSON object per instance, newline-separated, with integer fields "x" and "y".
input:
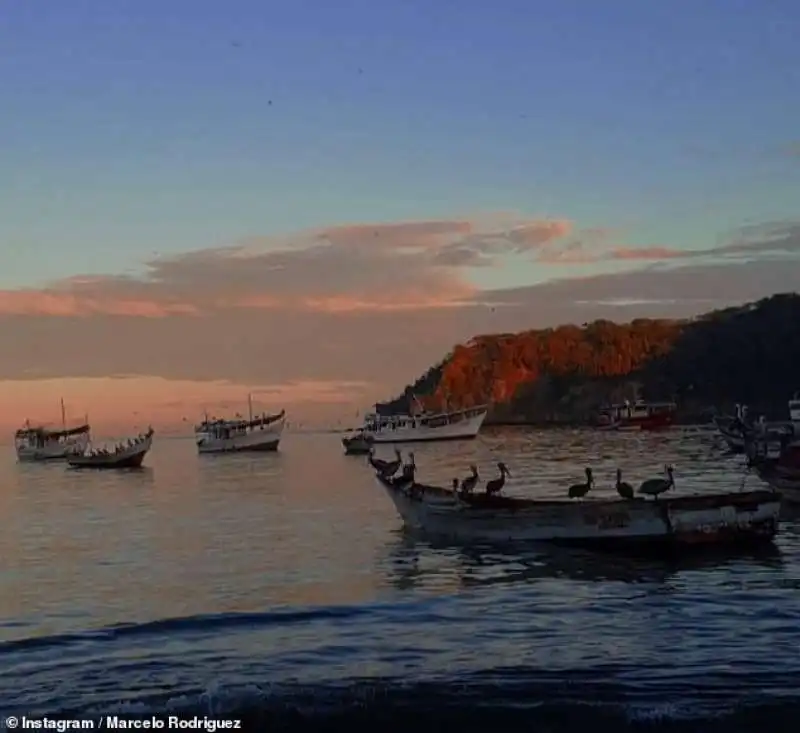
{"x": 639, "y": 415}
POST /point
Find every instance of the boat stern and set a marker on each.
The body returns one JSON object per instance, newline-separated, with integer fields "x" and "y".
{"x": 729, "y": 519}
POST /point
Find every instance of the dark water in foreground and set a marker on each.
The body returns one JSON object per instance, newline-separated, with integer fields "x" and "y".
{"x": 278, "y": 589}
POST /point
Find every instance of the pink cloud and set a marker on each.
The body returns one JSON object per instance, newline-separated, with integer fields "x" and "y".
{"x": 384, "y": 267}
{"x": 644, "y": 253}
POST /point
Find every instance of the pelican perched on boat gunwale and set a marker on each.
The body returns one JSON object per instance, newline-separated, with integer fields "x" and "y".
{"x": 655, "y": 486}
{"x": 385, "y": 468}
{"x": 469, "y": 483}
{"x": 496, "y": 484}
{"x": 624, "y": 489}
{"x": 578, "y": 491}
{"x": 409, "y": 471}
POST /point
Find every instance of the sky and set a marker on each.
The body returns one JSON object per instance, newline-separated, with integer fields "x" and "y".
{"x": 313, "y": 202}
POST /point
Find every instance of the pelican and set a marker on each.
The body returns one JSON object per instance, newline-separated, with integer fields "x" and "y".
{"x": 625, "y": 490}
{"x": 409, "y": 470}
{"x": 469, "y": 483}
{"x": 385, "y": 468}
{"x": 655, "y": 486}
{"x": 494, "y": 486}
{"x": 578, "y": 491}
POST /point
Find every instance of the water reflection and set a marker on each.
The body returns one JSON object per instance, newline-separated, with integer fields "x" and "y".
{"x": 413, "y": 562}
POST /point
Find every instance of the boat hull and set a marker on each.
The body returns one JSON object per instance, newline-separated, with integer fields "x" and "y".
{"x": 131, "y": 458}
{"x": 650, "y": 422}
{"x": 679, "y": 522}
{"x": 465, "y": 429}
{"x": 134, "y": 461}
{"x": 264, "y": 440}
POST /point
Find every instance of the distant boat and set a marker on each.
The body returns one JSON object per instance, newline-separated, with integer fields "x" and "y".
{"x": 739, "y": 429}
{"x": 256, "y": 434}
{"x": 639, "y": 415}
{"x": 421, "y": 428}
{"x": 39, "y": 443}
{"x": 357, "y": 444}
{"x": 129, "y": 454}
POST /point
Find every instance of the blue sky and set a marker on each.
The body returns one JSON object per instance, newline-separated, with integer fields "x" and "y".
{"x": 133, "y": 127}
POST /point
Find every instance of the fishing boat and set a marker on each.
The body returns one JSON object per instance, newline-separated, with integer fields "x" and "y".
{"x": 774, "y": 455}
{"x": 423, "y": 427}
{"x": 256, "y": 434}
{"x": 639, "y": 415}
{"x": 357, "y": 444}
{"x": 127, "y": 454}
{"x": 677, "y": 522}
{"x": 40, "y": 443}
{"x": 739, "y": 430}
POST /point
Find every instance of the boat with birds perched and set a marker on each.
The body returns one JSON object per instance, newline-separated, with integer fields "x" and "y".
{"x": 635, "y": 521}
{"x": 129, "y": 453}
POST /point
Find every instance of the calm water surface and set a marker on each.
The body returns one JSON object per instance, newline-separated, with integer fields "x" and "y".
{"x": 280, "y": 587}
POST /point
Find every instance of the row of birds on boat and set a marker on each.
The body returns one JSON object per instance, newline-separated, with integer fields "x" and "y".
{"x": 121, "y": 447}
{"x": 389, "y": 470}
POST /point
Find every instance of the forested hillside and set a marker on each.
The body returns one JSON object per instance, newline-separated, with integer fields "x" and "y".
{"x": 744, "y": 354}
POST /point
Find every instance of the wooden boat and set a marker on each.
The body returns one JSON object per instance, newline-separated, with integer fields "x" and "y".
{"x": 256, "y": 434}
{"x": 125, "y": 455}
{"x": 738, "y": 430}
{"x": 639, "y": 415}
{"x": 39, "y": 443}
{"x": 357, "y": 444}
{"x": 677, "y": 522}
{"x": 424, "y": 427}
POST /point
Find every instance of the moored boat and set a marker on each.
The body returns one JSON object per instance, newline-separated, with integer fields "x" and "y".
{"x": 35, "y": 443}
{"x": 775, "y": 456}
{"x": 424, "y": 427}
{"x": 127, "y": 454}
{"x": 676, "y": 522}
{"x": 357, "y": 444}
{"x": 639, "y": 415}
{"x": 256, "y": 434}
{"x": 739, "y": 430}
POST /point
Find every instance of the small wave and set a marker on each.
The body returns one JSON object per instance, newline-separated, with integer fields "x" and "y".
{"x": 215, "y": 623}
{"x": 498, "y": 702}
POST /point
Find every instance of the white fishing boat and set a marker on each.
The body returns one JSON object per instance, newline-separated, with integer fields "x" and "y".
{"x": 40, "y": 443}
{"x": 126, "y": 454}
{"x": 682, "y": 521}
{"x": 422, "y": 428}
{"x": 256, "y": 434}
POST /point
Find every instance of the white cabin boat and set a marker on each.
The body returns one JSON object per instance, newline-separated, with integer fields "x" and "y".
{"x": 732, "y": 518}
{"x": 35, "y": 443}
{"x": 423, "y": 428}
{"x": 256, "y": 434}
